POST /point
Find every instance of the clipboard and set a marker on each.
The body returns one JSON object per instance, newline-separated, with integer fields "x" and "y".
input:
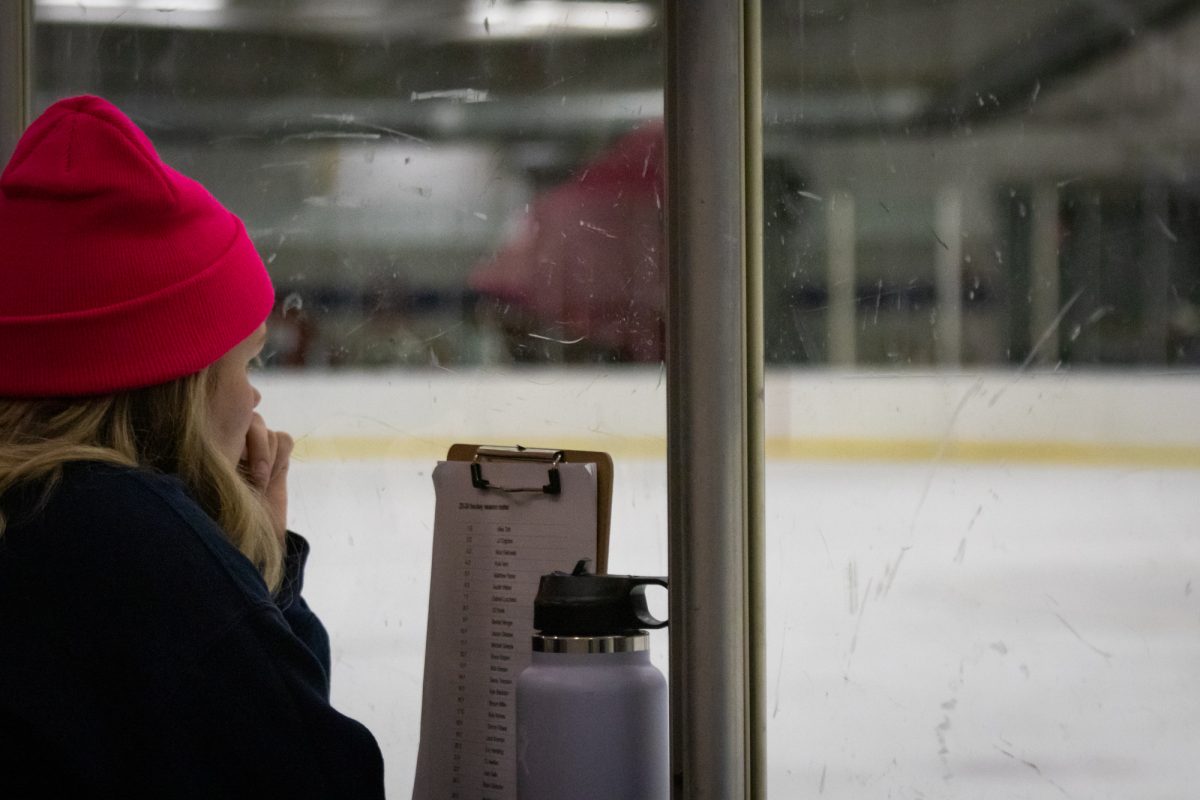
{"x": 504, "y": 517}
{"x": 480, "y": 454}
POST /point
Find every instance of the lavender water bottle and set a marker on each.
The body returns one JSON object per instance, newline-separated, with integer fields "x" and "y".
{"x": 591, "y": 708}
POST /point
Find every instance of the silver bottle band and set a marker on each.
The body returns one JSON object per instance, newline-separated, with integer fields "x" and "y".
{"x": 591, "y": 644}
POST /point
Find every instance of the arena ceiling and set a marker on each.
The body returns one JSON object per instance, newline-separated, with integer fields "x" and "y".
{"x": 496, "y": 67}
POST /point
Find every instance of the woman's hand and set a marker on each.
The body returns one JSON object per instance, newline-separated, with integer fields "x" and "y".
{"x": 265, "y": 464}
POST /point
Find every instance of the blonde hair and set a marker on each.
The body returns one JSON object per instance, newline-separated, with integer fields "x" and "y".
{"x": 163, "y": 428}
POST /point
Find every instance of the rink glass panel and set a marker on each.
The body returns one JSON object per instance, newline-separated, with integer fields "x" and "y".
{"x": 460, "y": 206}
{"x": 981, "y": 286}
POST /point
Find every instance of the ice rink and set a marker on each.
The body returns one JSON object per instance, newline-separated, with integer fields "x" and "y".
{"x": 978, "y": 586}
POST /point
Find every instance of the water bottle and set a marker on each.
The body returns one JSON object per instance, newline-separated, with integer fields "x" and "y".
{"x": 591, "y": 708}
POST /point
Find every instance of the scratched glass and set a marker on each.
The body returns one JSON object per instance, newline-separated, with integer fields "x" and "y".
{"x": 460, "y": 205}
{"x": 981, "y": 321}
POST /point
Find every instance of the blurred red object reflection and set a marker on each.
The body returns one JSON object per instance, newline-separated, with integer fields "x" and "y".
{"x": 586, "y": 267}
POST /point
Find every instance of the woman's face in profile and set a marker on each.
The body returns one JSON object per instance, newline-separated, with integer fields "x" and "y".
{"x": 232, "y": 402}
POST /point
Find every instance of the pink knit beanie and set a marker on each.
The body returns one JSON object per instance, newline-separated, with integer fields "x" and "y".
{"x": 116, "y": 271}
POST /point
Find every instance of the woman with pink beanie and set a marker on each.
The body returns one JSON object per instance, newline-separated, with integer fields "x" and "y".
{"x": 153, "y": 637}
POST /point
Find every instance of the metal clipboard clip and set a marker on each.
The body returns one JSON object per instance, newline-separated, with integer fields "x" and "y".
{"x": 517, "y": 453}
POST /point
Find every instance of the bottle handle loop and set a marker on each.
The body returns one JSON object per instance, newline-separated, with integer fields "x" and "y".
{"x": 637, "y": 593}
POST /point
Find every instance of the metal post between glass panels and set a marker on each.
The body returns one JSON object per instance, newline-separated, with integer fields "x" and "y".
{"x": 16, "y": 65}
{"x": 714, "y": 426}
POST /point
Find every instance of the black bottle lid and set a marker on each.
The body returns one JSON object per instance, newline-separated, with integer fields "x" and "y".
{"x": 583, "y": 604}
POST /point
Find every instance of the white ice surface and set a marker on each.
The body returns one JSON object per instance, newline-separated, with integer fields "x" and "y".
{"x": 934, "y": 630}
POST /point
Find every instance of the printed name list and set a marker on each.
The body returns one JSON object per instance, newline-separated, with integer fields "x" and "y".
{"x": 490, "y": 548}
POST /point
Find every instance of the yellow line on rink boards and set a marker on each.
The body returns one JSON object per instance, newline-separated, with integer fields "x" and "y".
{"x": 1075, "y": 454}
{"x": 370, "y": 448}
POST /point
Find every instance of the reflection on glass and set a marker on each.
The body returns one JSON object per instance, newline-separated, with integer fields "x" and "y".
{"x": 382, "y": 154}
{"x": 588, "y": 261}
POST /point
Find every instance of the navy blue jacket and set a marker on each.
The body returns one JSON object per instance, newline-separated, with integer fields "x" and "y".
{"x": 141, "y": 655}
